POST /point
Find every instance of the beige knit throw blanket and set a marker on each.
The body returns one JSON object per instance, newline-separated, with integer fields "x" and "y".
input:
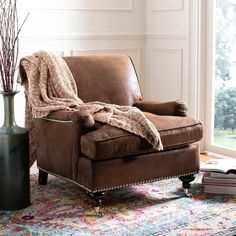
{"x": 50, "y": 86}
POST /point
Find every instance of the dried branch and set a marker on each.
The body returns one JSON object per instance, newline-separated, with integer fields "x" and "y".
{"x": 9, "y": 42}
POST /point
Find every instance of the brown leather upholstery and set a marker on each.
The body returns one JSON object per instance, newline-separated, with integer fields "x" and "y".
{"x": 107, "y": 78}
{"x": 108, "y": 142}
{"x": 119, "y": 172}
{"x": 172, "y": 108}
{"x": 100, "y": 157}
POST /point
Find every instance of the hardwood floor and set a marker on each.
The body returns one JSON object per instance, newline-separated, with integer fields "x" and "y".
{"x": 204, "y": 157}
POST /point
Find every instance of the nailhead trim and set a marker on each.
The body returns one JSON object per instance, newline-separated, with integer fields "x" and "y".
{"x": 59, "y": 176}
{"x": 119, "y": 186}
{"x": 58, "y": 121}
{"x": 145, "y": 181}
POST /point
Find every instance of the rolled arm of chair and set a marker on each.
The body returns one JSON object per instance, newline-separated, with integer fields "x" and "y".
{"x": 85, "y": 120}
{"x": 171, "y": 108}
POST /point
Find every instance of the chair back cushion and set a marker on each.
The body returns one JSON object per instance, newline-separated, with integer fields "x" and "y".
{"x": 105, "y": 78}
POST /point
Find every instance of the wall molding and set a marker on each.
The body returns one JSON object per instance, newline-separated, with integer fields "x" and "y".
{"x": 27, "y": 53}
{"x": 89, "y": 36}
{"x": 105, "y": 36}
{"x": 93, "y": 5}
{"x": 163, "y": 9}
{"x": 75, "y": 52}
{"x": 167, "y": 36}
{"x": 178, "y": 51}
{"x": 195, "y": 70}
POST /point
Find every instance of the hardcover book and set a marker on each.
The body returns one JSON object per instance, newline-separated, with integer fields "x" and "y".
{"x": 225, "y": 166}
{"x": 220, "y": 189}
{"x": 222, "y": 175}
{"x": 207, "y": 178}
{"x": 219, "y": 185}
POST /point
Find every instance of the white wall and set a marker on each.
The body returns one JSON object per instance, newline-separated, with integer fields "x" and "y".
{"x": 170, "y": 53}
{"x": 155, "y": 33}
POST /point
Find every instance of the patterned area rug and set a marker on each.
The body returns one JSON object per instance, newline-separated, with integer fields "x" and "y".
{"x": 62, "y": 208}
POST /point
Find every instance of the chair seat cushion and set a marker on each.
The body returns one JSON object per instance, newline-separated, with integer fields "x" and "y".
{"x": 107, "y": 142}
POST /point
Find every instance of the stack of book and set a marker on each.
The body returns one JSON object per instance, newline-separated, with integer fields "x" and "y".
{"x": 219, "y": 176}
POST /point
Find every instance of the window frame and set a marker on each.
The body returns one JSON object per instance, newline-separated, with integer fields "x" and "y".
{"x": 209, "y": 85}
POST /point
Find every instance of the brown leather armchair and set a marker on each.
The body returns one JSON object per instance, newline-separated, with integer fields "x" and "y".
{"x": 99, "y": 157}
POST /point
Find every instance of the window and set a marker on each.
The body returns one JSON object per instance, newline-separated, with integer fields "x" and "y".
{"x": 221, "y": 76}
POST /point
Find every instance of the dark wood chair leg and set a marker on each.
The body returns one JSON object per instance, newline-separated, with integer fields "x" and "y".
{"x": 96, "y": 199}
{"x": 43, "y": 177}
{"x": 186, "y": 183}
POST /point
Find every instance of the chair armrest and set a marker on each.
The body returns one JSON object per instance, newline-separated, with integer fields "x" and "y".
{"x": 58, "y": 141}
{"x": 171, "y": 108}
{"x": 85, "y": 120}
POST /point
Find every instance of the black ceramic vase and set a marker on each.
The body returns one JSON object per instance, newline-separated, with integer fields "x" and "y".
{"x": 14, "y": 160}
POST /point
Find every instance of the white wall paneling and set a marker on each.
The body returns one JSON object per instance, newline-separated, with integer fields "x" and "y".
{"x": 167, "y": 5}
{"x": 167, "y": 73}
{"x": 173, "y": 24}
{"x": 195, "y": 59}
{"x": 172, "y": 37}
{"x": 77, "y": 4}
{"x": 82, "y": 17}
{"x": 168, "y": 17}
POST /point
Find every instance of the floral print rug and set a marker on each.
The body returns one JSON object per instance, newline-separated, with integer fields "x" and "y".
{"x": 160, "y": 208}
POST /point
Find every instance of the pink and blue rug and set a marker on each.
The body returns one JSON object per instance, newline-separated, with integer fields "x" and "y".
{"x": 62, "y": 208}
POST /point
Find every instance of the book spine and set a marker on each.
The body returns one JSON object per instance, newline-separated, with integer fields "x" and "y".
{"x": 220, "y": 190}
{"x": 221, "y": 175}
{"x": 222, "y": 181}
